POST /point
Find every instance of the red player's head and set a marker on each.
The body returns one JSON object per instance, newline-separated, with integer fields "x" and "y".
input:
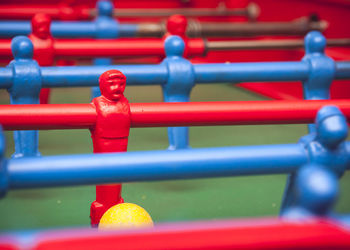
{"x": 41, "y": 25}
{"x": 112, "y": 84}
{"x": 177, "y": 25}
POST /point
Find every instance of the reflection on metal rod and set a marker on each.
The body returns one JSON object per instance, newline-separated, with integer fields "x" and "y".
{"x": 298, "y": 27}
{"x": 251, "y": 12}
{"x": 195, "y": 28}
{"x": 268, "y": 44}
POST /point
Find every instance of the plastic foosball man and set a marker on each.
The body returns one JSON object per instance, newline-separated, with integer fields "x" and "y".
{"x": 125, "y": 216}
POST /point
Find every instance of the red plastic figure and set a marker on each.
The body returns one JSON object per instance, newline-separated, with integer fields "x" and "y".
{"x": 177, "y": 26}
{"x": 110, "y": 134}
{"x": 43, "y": 46}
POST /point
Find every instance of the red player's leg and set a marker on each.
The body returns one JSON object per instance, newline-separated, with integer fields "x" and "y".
{"x": 44, "y": 96}
{"x": 106, "y": 197}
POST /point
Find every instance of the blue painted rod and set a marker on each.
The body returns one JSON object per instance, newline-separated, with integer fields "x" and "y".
{"x": 342, "y": 70}
{"x": 63, "y": 29}
{"x": 14, "y": 28}
{"x": 73, "y": 29}
{"x": 154, "y": 165}
{"x": 79, "y": 76}
{"x": 128, "y": 30}
{"x": 6, "y": 76}
{"x": 76, "y": 76}
{"x": 245, "y": 72}
{"x": 266, "y": 71}
{"x": 204, "y": 73}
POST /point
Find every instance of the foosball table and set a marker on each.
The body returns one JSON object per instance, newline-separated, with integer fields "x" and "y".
{"x": 203, "y": 70}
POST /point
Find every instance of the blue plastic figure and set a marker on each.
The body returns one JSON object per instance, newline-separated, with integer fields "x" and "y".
{"x": 325, "y": 148}
{"x": 25, "y": 89}
{"x": 106, "y": 27}
{"x": 178, "y": 86}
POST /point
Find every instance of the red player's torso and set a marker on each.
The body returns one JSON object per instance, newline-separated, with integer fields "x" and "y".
{"x": 43, "y": 50}
{"x": 111, "y": 131}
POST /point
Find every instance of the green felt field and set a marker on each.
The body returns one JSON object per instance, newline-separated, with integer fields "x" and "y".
{"x": 229, "y": 197}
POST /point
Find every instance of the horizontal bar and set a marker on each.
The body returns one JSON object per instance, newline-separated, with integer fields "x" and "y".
{"x": 298, "y": 27}
{"x": 342, "y": 70}
{"x": 248, "y": 72}
{"x": 70, "y": 170}
{"x": 6, "y": 78}
{"x": 204, "y": 73}
{"x": 229, "y": 113}
{"x": 113, "y": 47}
{"x": 19, "y": 11}
{"x": 250, "y": 233}
{"x": 128, "y": 30}
{"x": 58, "y": 29}
{"x": 47, "y": 116}
{"x": 87, "y": 29}
{"x": 268, "y": 44}
{"x": 155, "y": 46}
{"x": 251, "y": 12}
{"x": 78, "y": 116}
{"x": 73, "y": 29}
{"x": 27, "y": 11}
{"x": 151, "y": 30}
{"x": 67, "y": 29}
{"x": 14, "y": 28}
{"x": 79, "y": 76}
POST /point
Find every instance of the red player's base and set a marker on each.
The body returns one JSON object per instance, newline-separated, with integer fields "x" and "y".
{"x": 44, "y": 96}
{"x": 106, "y": 197}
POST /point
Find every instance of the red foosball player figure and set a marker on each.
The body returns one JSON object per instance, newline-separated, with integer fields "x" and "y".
{"x": 110, "y": 134}
{"x": 43, "y": 46}
{"x": 177, "y": 26}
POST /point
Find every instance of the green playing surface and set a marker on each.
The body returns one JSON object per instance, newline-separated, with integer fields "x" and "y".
{"x": 229, "y": 197}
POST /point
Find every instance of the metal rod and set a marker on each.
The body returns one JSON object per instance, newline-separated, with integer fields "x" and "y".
{"x": 78, "y": 116}
{"x": 269, "y": 44}
{"x": 294, "y": 28}
{"x": 196, "y": 28}
{"x": 67, "y": 12}
{"x": 251, "y": 11}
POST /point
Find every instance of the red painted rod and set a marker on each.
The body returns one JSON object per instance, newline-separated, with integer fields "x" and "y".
{"x": 155, "y": 46}
{"x": 112, "y": 47}
{"x": 61, "y": 11}
{"x": 5, "y": 48}
{"x": 81, "y": 12}
{"x": 239, "y": 234}
{"x": 77, "y": 116}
